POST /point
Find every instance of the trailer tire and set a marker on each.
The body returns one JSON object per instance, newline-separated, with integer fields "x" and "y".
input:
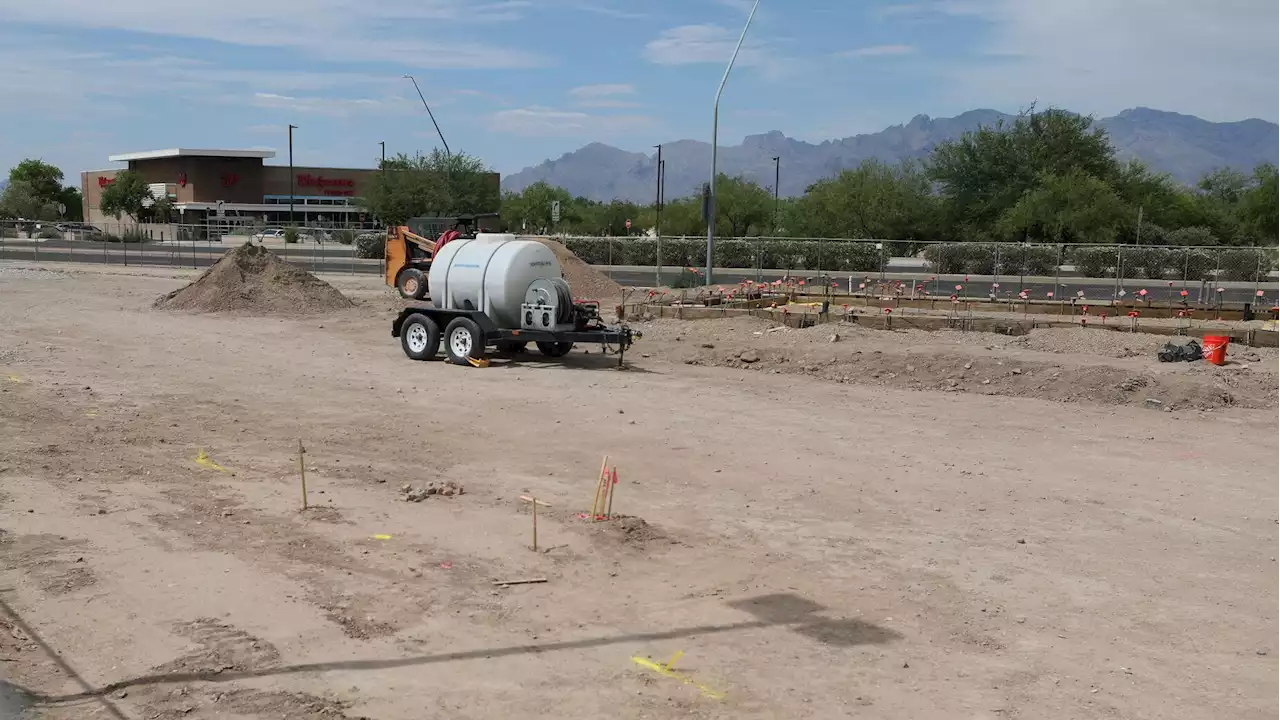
{"x": 420, "y": 337}
{"x": 555, "y": 349}
{"x": 411, "y": 284}
{"x": 462, "y": 340}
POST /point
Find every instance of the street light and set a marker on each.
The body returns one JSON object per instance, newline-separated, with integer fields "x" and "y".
{"x": 292, "y": 179}
{"x": 657, "y": 230}
{"x": 383, "y": 166}
{"x": 715, "y": 129}
{"x": 777, "y": 176}
{"x": 429, "y": 113}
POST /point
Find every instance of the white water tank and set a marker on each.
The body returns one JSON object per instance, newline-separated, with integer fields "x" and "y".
{"x": 489, "y": 273}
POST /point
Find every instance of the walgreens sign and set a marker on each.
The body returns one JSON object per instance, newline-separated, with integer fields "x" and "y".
{"x": 340, "y": 187}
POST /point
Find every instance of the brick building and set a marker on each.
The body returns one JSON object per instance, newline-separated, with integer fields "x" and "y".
{"x": 198, "y": 182}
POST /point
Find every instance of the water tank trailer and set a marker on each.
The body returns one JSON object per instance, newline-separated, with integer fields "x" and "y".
{"x": 496, "y": 291}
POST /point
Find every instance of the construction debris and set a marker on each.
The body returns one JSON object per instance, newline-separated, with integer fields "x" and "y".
{"x": 447, "y": 489}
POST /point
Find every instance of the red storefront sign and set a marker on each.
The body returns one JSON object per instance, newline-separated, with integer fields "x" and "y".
{"x": 339, "y": 187}
{"x": 104, "y": 181}
{"x": 230, "y": 179}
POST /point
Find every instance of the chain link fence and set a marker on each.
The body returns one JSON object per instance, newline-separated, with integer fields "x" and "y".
{"x": 1201, "y": 275}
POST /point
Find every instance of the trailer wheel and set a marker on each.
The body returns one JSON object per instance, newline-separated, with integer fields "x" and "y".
{"x": 411, "y": 284}
{"x": 462, "y": 340}
{"x": 555, "y": 349}
{"x": 420, "y": 337}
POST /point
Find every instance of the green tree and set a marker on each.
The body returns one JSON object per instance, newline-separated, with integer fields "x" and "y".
{"x": 985, "y": 173}
{"x": 437, "y": 184}
{"x": 1259, "y": 204}
{"x": 1074, "y": 207}
{"x": 742, "y": 208}
{"x": 73, "y": 202}
{"x": 44, "y": 179}
{"x": 125, "y": 195}
{"x": 1225, "y": 185}
{"x": 875, "y": 200}
{"x": 20, "y": 200}
{"x": 530, "y": 210}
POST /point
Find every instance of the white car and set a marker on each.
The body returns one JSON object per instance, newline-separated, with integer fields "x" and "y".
{"x": 278, "y": 235}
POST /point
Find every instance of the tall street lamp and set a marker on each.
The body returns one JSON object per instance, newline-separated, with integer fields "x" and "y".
{"x": 383, "y": 166}
{"x": 715, "y": 129}
{"x": 657, "y": 206}
{"x": 429, "y": 113}
{"x": 777, "y": 177}
{"x": 292, "y": 179}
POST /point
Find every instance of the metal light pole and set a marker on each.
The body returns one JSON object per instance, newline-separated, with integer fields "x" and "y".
{"x": 715, "y": 130}
{"x": 292, "y": 179}
{"x": 383, "y": 166}
{"x": 657, "y": 230}
{"x": 430, "y": 114}
{"x": 777, "y": 177}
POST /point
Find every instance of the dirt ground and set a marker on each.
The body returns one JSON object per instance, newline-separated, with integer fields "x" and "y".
{"x": 823, "y": 541}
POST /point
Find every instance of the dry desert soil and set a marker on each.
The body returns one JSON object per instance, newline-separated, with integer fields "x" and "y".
{"x": 821, "y": 531}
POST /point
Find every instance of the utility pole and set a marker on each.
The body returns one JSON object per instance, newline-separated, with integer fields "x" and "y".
{"x": 777, "y": 177}
{"x": 292, "y": 179}
{"x": 429, "y": 114}
{"x": 657, "y": 208}
{"x": 715, "y": 131}
{"x": 1139, "y": 232}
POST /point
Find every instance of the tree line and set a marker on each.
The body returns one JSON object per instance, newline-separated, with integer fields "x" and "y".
{"x": 1044, "y": 177}
{"x": 35, "y": 192}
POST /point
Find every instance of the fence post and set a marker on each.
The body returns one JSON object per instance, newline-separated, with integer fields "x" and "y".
{"x": 657, "y": 260}
{"x": 1115, "y": 294}
{"x": 995, "y": 271}
{"x": 1057, "y": 273}
{"x": 1257, "y": 276}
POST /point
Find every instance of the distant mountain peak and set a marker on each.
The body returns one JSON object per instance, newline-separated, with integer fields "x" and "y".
{"x": 1184, "y": 146}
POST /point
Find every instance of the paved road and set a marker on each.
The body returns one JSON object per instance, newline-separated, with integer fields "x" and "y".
{"x": 339, "y": 259}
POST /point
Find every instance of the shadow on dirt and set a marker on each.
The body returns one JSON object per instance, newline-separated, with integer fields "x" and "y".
{"x": 778, "y": 610}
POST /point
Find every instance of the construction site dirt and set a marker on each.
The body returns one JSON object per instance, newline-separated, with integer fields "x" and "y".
{"x": 821, "y": 523}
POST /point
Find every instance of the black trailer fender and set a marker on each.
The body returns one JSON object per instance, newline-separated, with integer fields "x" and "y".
{"x": 444, "y": 317}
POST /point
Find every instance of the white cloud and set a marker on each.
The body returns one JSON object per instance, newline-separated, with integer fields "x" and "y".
{"x": 333, "y": 107}
{"x": 878, "y": 50}
{"x": 1216, "y": 60}
{"x": 707, "y": 43}
{"x": 597, "y": 91}
{"x": 604, "y": 96}
{"x": 537, "y": 121}
{"x": 338, "y": 30}
{"x": 742, "y": 6}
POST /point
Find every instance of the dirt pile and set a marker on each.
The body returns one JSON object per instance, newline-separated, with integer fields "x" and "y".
{"x": 586, "y": 282}
{"x": 251, "y": 279}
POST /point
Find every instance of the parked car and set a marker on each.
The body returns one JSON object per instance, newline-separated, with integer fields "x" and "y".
{"x": 278, "y": 235}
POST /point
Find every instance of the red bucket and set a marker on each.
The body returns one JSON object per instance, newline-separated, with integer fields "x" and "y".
{"x": 1215, "y": 348}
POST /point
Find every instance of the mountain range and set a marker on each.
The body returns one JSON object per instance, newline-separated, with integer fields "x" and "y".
{"x": 1184, "y": 146}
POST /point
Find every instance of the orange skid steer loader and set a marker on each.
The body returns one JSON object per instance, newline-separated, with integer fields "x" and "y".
{"x": 408, "y": 253}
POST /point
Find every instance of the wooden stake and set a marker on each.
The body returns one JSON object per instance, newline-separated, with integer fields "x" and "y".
{"x": 524, "y": 581}
{"x": 605, "y": 491}
{"x": 595, "y": 502}
{"x": 302, "y": 471}
{"x": 534, "y": 505}
{"x": 613, "y": 482}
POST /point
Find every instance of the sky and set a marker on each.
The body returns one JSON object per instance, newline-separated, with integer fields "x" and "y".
{"x": 515, "y": 82}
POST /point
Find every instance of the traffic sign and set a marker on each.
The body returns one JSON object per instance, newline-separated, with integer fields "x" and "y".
{"x": 555, "y": 211}
{"x": 221, "y": 211}
{"x": 628, "y": 223}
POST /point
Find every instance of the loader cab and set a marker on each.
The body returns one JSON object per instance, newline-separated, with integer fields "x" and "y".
{"x": 410, "y": 247}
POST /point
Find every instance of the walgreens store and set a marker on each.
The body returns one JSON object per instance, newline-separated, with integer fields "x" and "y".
{"x": 238, "y": 184}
